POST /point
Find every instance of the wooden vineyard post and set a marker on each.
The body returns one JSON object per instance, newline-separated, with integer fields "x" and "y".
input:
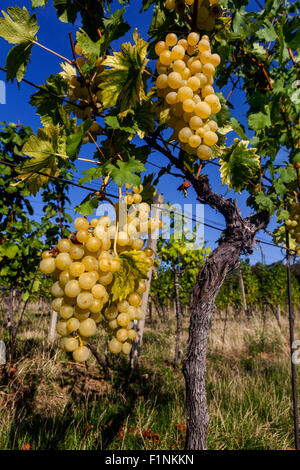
{"x": 152, "y": 242}
{"x": 52, "y": 327}
{"x": 291, "y": 328}
{"x": 242, "y": 289}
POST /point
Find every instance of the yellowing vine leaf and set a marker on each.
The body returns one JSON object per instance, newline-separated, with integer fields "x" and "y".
{"x": 133, "y": 266}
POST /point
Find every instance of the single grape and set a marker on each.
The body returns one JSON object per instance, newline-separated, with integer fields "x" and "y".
{"x": 76, "y": 252}
{"x": 188, "y": 106}
{"x": 183, "y": 42}
{"x": 122, "y": 335}
{"x": 165, "y": 57}
{"x": 184, "y": 134}
{"x": 171, "y": 39}
{"x": 134, "y": 298}
{"x": 179, "y": 66}
{"x": 193, "y": 39}
{"x": 194, "y": 141}
{"x": 76, "y": 268}
{"x": 204, "y": 152}
{"x": 57, "y": 290}
{"x": 213, "y": 126}
{"x": 162, "y": 81}
{"x": 177, "y": 52}
{"x": 84, "y": 300}
{"x": 61, "y": 328}
{"x": 132, "y": 334}
{"x": 88, "y": 327}
{"x": 81, "y": 354}
{"x": 115, "y": 346}
{"x": 64, "y": 277}
{"x": 73, "y": 325}
{"x": 90, "y": 263}
{"x": 204, "y": 45}
{"x": 196, "y": 67}
{"x": 57, "y": 303}
{"x": 215, "y": 60}
{"x": 63, "y": 261}
{"x": 111, "y": 313}
{"x": 208, "y": 69}
{"x": 64, "y": 245}
{"x": 123, "y": 319}
{"x": 105, "y": 278}
{"x": 96, "y": 306}
{"x": 48, "y": 266}
{"x": 202, "y": 110}
{"x": 170, "y": 4}
{"x": 195, "y": 122}
{"x": 184, "y": 93}
{"x": 86, "y": 280}
{"x": 81, "y": 223}
{"x": 70, "y": 344}
{"x": 72, "y": 288}
{"x": 66, "y": 311}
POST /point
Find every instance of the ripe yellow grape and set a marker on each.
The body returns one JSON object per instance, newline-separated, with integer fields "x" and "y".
{"x": 174, "y": 80}
{"x": 96, "y": 306}
{"x": 177, "y": 52}
{"x": 204, "y": 152}
{"x": 184, "y": 93}
{"x": 132, "y": 334}
{"x": 123, "y": 319}
{"x": 93, "y": 244}
{"x": 208, "y": 69}
{"x": 66, "y": 311}
{"x": 215, "y": 59}
{"x": 73, "y": 325}
{"x": 82, "y": 236}
{"x": 72, "y": 288}
{"x": 76, "y": 268}
{"x": 113, "y": 324}
{"x": 171, "y": 39}
{"x": 193, "y": 83}
{"x": 178, "y": 66}
{"x": 61, "y": 328}
{"x": 46, "y": 254}
{"x": 165, "y": 58}
{"x": 81, "y": 223}
{"x": 141, "y": 287}
{"x": 188, "y": 106}
{"x": 86, "y": 280}
{"x": 202, "y": 110}
{"x": 115, "y": 346}
{"x": 137, "y": 244}
{"x": 76, "y": 252}
{"x": 204, "y": 45}
{"x": 57, "y": 303}
{"x": 64, "y": 277}
{"x": 70, "y": 344}
{"x": 87, "y": 327}
{"x": 81, "y": 354}
{"x": 210, "y": 138}
{"x": 162, "y": 81}
{"x": 207, "y": 90}
{"x": 183, "y": 42}
{"x": 203, "y": 79}
{"x": 171, "y": 98}
{"x": 195, "y": 122}
{"x": 126, "y": 347}
{"x": 160, "y": 46}
{"x": 213, "y": 125}
{"x": 191, "y": 50}
{"x": 205, "y": 57}
{"x": 94, "y": 222}
{"x": 63, "y": 261}
{"x": 134, "y": 299}
{"x": 194, "y": 141}
{"x": 90, "y": 263}
{"x": 196, "y": 99}
{"x": 170, "y": 4}
{"x": 64, "y": 245}
{"x": 138, "y": 189}
{"x": 196, "y": 67}
{"x": 122, "y": 335}
{"x": 213, "y": 102}
{"x": 193, "y": 39}
{"x": 57, "y": 290}
{"x": 48, "y": 266}
{"x": 184, "y": 134}
{"x": 84, "y": 300}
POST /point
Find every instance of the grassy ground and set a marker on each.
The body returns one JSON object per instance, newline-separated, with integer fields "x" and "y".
{"x": 52, "y": 403}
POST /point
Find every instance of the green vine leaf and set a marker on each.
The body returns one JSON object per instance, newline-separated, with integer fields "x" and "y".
{"x": 124, "y": 172}
{"x": 18, "y": 27}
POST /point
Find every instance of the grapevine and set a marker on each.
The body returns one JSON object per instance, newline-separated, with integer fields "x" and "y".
{"x": 98, "y": 275}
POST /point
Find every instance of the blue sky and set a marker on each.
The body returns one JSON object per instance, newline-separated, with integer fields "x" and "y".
{"x": 54, "y": 35}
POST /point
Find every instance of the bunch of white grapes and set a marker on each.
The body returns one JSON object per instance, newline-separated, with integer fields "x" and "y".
{"x": 293, "y": 225}
{"x": 207, "y": 11}
{"x": 83, "y": 268}
{"x": 186, "y": 68}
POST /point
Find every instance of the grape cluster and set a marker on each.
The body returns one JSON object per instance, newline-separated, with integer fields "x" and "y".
{"x": 186, "y": 68}
{"x": 293, "y": 225}
{"x": 84, "y": 266}
{"x": 87, "y": 94}
{"x": 208, "y": 11}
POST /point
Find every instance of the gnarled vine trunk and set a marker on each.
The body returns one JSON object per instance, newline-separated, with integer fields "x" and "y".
{"x": 239, "y": 236}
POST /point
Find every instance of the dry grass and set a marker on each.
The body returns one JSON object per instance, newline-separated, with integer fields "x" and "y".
{"x": 52, "y": 403}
